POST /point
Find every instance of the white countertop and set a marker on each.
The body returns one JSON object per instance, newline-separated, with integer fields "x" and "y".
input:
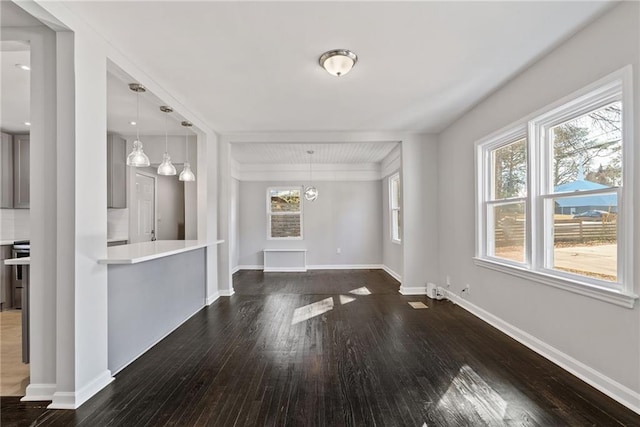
{"x": 18, "y": 261}
{"x": 145, "y": 251}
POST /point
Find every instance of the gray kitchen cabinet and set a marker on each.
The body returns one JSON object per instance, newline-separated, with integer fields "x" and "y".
{"x": 6, "y": 171}
{"x": 116, "y": 172}
{"x": 21, "y": 171}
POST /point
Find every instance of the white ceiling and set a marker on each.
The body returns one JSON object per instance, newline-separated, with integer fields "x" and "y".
{"x": 252, "y": 66}
{"x": 368, "y": 152}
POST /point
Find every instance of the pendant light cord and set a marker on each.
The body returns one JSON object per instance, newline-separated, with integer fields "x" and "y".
{"x": 186, "y": 137}
{"x": 137, "y": 116}
{"x": 310, "y": 170}
{"x": 166, "y": 133}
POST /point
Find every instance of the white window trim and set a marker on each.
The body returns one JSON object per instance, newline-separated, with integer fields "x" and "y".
{"x": 395, "y": 176}
{"x": 597, "y": 94}
{"x": 269, "y": 213}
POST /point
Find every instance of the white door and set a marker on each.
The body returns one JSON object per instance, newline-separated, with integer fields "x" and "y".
{"x": 145, "y": 205}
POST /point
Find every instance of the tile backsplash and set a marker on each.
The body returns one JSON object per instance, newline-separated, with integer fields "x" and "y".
{"x": 14, "y": 224}
{"x": 118, "y": 224}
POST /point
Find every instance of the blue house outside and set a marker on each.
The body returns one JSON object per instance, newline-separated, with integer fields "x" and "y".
{"x": 576, "y": 205}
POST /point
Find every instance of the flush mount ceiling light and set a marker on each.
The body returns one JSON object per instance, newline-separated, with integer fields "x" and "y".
{"x": 310, "y": 192}
{"x": 166, "y": 167}
{"x": 338, "y": 62}
{"x": 137, "y": 158}
{"x": 186, "y": 174}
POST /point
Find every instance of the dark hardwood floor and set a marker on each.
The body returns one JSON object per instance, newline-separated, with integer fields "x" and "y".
{"x": 333, "y": 348}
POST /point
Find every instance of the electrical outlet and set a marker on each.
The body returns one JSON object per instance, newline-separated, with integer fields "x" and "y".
{"x": 447, "y": 280}
{"x": 339, "y": 250}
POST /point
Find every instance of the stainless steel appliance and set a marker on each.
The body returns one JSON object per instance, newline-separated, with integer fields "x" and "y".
{"x": 20, "y": 249}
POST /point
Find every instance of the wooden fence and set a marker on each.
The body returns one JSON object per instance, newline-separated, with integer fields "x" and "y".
{"x": 565, "y": 230}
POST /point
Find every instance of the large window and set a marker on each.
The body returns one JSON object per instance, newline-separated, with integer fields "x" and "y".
{"x": 394, "y": 208}
{"x": 284, "y": 213}
{"x": 553, "y": 201}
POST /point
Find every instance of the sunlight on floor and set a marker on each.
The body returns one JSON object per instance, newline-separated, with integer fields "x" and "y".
{"x": 344, "y": 299}
{"x": 360, "y": 291}
{"x": 312, "y": 310}
{"x": 486, "y": 402}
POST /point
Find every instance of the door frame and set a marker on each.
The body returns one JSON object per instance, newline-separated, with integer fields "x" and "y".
{"x": 134, "y": 203}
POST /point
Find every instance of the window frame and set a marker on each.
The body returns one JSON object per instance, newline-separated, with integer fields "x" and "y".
{"x": 393, "y": 209}
{"x": 536, "y": 127}
{"x": 270, "y": 213}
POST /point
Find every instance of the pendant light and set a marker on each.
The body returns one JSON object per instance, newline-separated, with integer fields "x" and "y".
{"x": 310, "y": 192}
{"x": 137, "y": 158}
{"x": 186, "y": 174}
{"x": 166, "y": 167}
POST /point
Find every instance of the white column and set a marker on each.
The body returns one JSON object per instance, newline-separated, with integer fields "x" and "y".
{"x": 42, "y": 209}
{"x": 82, "y": 227}
{"x": 208, "y": 208}
{"x": 225, "y": 282}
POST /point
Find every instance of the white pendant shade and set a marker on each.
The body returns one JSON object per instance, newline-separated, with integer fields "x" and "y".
{"x": 338, "y": 62}
{"x": 311, "y": 193}
{"x": 137, "y": 158}
{"x": 187, "y": 174}
{"x": 166, "y": 167}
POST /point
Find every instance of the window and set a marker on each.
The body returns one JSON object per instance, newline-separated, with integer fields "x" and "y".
{"x": 394, "y": 208}
{"x": 284, "y": 213}
{"x": 553, "y": 199}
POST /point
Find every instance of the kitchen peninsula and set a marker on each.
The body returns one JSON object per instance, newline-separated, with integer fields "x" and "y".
{"x": 153, "y": 287}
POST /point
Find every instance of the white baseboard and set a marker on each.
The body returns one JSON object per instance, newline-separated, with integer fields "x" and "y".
{"x": 285, "y": 270}
{"x": 345, "y": 267}
{"x": 392, "y": 273}
{"x": 73, "y": 400}
{"x": 247, "y": 267}
{"x": 413, "y": 290}
{"x": 610, "y": 387}
{"x": 226, "y": 292}
{"x": 235, "y": 269}
{"x": 211, "y": 298}
{"x": 39, "y": 392}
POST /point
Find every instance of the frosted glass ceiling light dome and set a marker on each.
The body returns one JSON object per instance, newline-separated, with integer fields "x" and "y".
{"x": 310, "y": 192}
{"x": 137, "y": 158}
{"x": 166, "y": 167}
{"x": 338, "y": 62}
{"x": 187, "y": 175}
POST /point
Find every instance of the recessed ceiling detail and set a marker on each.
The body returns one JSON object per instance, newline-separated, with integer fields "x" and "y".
{"x": 352, "y": 153}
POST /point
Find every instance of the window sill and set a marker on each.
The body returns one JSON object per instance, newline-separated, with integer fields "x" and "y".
{"x": 612, "y": 296}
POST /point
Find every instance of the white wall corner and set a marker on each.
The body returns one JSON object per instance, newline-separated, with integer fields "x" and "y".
{"x": 392, "y": 273}
{"x": 226, "y": 292}
{"x": 39, "y": 392}
{"x": 73, "y": 400}
{"x": 211, "y": 298}
{"x": 391, "y": 163}
{"x": 619, "y": 392}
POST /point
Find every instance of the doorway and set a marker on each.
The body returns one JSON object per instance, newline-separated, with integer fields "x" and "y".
{"x": 145, "y": 209}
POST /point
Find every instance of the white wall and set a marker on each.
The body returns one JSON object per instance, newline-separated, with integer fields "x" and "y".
{"x": 170, "y": 208}
{"x": 346, "y": 215}
{"x": 598, "y": 338}
{"x": 118, "y": 224}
